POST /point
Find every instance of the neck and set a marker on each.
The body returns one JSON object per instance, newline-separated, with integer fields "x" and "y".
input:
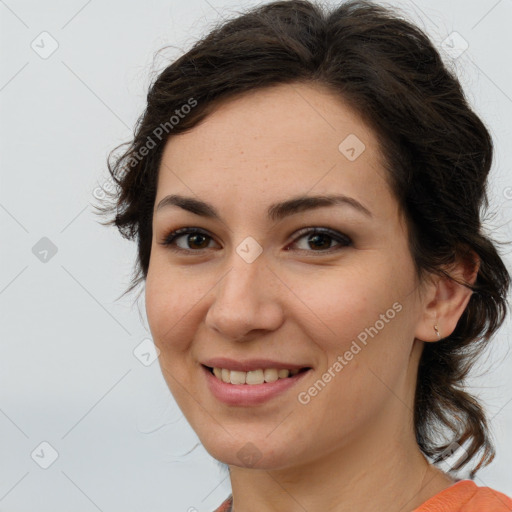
{"x": 378, "y": 469}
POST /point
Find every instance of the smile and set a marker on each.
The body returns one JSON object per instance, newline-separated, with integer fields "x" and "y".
{"x": 252, "y": 387}
{"x": 253, "y": 377}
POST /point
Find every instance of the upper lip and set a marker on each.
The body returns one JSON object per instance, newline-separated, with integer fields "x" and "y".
{"x": 250, "y": 364}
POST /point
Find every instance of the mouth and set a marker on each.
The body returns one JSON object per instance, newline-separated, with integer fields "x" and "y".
{"x": 251, "y": 382}
{"x": 254, "y": 377}
{"x": 246, "y": 389}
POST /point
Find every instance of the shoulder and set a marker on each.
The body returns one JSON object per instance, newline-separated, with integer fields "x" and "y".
{"x": 226, "y": 505}
{"x": 467, "y": 496}
{"x": 463, "y": 496}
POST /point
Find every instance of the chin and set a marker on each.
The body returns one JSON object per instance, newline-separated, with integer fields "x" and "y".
{"x": 254, "y": 452}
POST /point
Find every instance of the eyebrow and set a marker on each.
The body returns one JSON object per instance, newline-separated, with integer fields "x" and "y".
{"x": 276, "y": 211}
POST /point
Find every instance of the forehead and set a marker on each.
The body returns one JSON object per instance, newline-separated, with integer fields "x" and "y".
{"x": 297, "y": 137}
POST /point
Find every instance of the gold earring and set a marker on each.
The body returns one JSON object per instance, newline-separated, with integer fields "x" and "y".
{"x": 437, "y": 332}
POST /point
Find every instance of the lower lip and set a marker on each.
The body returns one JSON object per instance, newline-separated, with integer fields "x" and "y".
{"x": 249, "y": 394}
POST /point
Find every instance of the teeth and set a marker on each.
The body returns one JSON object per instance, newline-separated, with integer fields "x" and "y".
{"x": 252, "y": 377}
{"x": 237, "y": 377}
{"x": 270, "y": 375}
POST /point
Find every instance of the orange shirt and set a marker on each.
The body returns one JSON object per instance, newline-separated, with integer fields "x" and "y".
{"x": 466, "y": 496}
{"x": 462, "y": 496}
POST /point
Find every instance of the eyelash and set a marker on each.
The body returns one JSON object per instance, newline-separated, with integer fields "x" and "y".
{"x": 342, "y": 239}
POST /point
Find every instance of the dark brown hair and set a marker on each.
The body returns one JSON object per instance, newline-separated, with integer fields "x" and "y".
{"x": 437, "y": 151}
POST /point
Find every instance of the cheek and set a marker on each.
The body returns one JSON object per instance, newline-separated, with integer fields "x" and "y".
{"x": 342, "y": 305}
{"x": 172, "y": 300}
{"x": 172, "y": 306}
{"x": 362, "y": 325}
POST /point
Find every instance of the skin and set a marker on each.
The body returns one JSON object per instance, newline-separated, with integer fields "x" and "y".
{"x": 352, "y": 446}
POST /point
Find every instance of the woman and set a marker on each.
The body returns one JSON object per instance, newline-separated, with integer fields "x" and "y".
{"x": 305, "y": 188}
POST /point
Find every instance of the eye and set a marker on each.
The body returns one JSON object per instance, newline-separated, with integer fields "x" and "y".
{"x": 187, "y": 239}
{"x": 321, "y": 239}
{"x": 317, "y": 239}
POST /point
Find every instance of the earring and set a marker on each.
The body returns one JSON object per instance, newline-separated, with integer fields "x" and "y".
{"x": 437, "y": 332}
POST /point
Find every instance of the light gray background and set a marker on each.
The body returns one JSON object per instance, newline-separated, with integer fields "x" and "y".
{"x": 68, "y": 374}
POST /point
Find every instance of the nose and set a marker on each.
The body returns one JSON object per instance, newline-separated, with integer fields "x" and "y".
{"x": 246, "y": 302}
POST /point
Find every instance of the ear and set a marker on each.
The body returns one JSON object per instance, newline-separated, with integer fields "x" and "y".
{"x": 445, "y": 299}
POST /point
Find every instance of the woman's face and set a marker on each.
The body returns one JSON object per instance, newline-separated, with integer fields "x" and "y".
{"x": 254, "y": 290}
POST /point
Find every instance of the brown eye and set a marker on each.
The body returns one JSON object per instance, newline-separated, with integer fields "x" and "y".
{"x": 197, "y": 239}
{"x": 321, "y": 240}
{"x": 187, "y": 239}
